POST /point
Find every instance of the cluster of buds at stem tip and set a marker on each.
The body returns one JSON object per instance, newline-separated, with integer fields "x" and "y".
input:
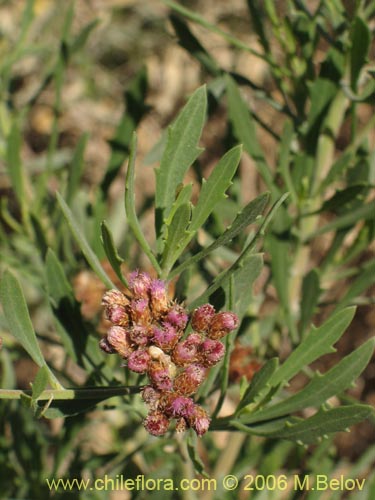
{"x": 149, "y": 332}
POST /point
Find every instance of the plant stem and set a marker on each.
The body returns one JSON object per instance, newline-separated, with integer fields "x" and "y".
{"x": 324, "y": 160}
{"x": 66, "y": 394}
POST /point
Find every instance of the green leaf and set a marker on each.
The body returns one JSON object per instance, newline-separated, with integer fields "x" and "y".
{"x": 245, "y": 131}
{"x": 19, "y": 322}
{"x": 17, "y": 316}
{"x": 175, "y": 236}
{"x": 259, "y": 384}
{"x": 360, "y": 38}
{"x": 89, "y": 254}
{"x": 248, "y": 215}
{"x": 79, "y": 345}
{"x": 323, "y": 423}
{"x": 317, "y": 343}
{"x": 180, "y": 152}
{"x": 190, "y": 43}
{"x": 213, "y": 190}
{"x": 14, "y": 165}
{"x": 322, "y": 92}
{"x": 363, "y": 212}
{"x": 111, "y": 252}
{"x": 321, "y": 387}
{"x": 40, "y": 382}
{"x": 192, "y": 448}
{"x": 135, "y": 108}
{"x": 130, "y": 206}
{"x": 362, "y": 282}
{"x": 310, "y": 296}
{"x": 80, "y": 40}
{"x": 183, "y": 196}
{"x": 249, "y": 268}
{"x": 76, "y": 168}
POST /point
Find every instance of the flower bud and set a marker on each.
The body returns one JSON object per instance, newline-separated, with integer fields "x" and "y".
{"x": 139, "y": 335}
{"x": 182, "y": 406}
{"x": 118, "y": 338}
{"x": 138, "y": 361}
{"x": 160, "y": 376}
{"x": 222, "y": 323}
{"x": 186, "y": 352}
{"x": 114, "y": 297}
{"x": 140, "y": 312}
{"x": 202, "y": 317}
{"x": 151, "y": 397}
{"x": 177, "y": 317}
{"x": 156, "y": 423}
{"x": 199, "y": 420}
{"x": 139, "y": 284}
{"x": 117, "y": 315}
{"x": 106, "y": 346}
{"x": 159, "y": 298}
{"x": 166, "y": 337}
{"x": 188, "y": 382}
{"x": 211, "y": 352}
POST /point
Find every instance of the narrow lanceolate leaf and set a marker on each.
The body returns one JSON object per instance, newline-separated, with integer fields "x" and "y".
{"x": 259, "y": 384}
{"x": 324, "y": 422}
{"x": 310, "y": 295}
{"x": 362, "y": 282}
{"x": 76, "y": 168}
{"x": 360, "y": 38}
{"x": 14, "y": 165}
{"x": 40, "y": 382}
{"x": 176, "y": 235}
{"x": 130, "y": 206}
{"x": 17, "y": 316}
{"x": 317, "y": 343}
{"x": 248, "y": 215}
{"x": 321, "y": 387}
{"x": 19, "y": 322}
{"x": 183, "y": 196}
{"x": 87, "y": 251}
{"x": 111, "y": 252}
{"x": 213, "y": 190}
{"x": 180, "y": 152}
{"x": 245, "y": 131}
{"x": 250, "y": 267}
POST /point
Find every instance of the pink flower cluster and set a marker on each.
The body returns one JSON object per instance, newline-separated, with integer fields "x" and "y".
{"x": 148, "y": 331}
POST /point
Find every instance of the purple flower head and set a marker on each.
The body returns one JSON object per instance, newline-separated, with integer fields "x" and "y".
{"x": 138, "y": 361}
{"x": 182, "y": 407}
{"x": 118, "y": 338}
{"x": 188, "y": 382}
{"x": 211, "y": 352}
{"x": 177, "y": 317}
{"x": 159, "y": 298}
{"x": 222, "y": 323}
{"x": 160, "y": 376}
{"x": 114, "y": 297}
{"x": 139, "y": 335}
{"x": 139, "y": 311}
{"x": 156, "y": 423}
{"x": 151, "y": 396}
{"x": 202, "y": 317}
{"x": 117, "y": 315}
{"x": 139, "y": 284}
{"x": 199, "y": 420}
{"x": 186, "y": 352}
{"x": 166, "y": 337}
